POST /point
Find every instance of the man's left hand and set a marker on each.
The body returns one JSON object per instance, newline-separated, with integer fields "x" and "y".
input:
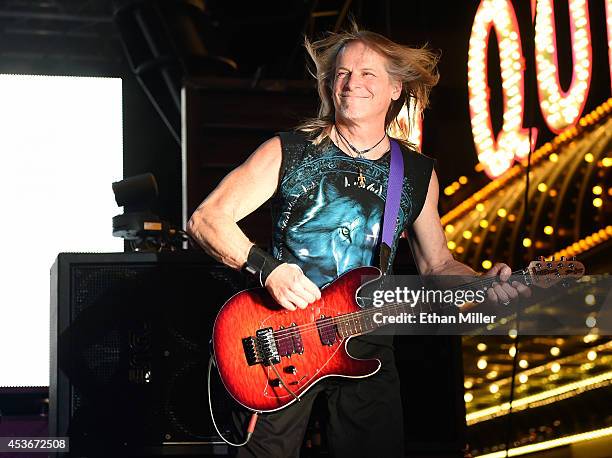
{"x": 502, "y": 291}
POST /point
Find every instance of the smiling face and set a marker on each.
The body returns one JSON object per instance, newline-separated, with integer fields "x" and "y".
{"x": 362, "y": 89}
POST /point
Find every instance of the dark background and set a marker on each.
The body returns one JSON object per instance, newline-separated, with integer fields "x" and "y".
{"x": 81, "y": 38}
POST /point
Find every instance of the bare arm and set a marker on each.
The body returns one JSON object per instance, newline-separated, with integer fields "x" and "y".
{"x": 242, "y": 191}
{"x": 428, "y": 242}
{"x": 246, "y": 188}
{"x": 432, "y": 256}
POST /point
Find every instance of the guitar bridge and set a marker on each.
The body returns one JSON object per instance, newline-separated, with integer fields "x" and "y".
{"x": 251, "y": 351}
{"x": 261, "y": 348}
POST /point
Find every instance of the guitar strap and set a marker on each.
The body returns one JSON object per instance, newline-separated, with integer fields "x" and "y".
{"x": 392, "y": 204}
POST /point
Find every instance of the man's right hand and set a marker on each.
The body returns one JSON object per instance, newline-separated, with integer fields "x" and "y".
{"x": 291, "y": 288}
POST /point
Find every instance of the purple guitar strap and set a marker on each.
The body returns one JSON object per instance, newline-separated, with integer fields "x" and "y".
{"x": 392, "y": 204}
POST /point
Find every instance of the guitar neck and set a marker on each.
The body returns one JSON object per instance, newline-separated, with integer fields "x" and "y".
{"x": 363, "y": 321}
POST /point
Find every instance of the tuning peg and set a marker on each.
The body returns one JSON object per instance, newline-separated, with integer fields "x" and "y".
{"x": 573, "y": 258}
{"x": 562, "y": 258}
{"x": 541, "y": 258}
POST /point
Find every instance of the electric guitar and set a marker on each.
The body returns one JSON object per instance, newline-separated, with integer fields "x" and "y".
{"x": 268, "y": 357}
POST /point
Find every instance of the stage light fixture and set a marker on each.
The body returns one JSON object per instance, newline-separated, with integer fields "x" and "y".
{"x": 138, "y": 225}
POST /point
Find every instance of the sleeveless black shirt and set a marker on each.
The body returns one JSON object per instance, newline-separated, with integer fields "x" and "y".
{"x": 324, "y": 221}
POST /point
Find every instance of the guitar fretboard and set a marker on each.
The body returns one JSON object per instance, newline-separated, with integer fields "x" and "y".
{"x": 363, "y": 321}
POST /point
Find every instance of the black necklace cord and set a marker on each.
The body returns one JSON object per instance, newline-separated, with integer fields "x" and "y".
{"x": 362, "y": 152}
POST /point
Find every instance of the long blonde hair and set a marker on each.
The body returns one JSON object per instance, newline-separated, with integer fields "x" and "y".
{"x": 414, "y": 67}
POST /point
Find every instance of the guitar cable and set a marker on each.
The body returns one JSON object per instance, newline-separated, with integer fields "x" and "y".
{"x": 252, "y": 421}
{"x": 291, "y": 392}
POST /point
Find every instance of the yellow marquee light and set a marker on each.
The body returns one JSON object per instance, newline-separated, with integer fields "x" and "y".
{"x": 486, "y": 264}
{"x": 547, "y": 445}
{"x": 570, "y": 389}
{"x": 497, "y": 153}
{"x": 567, "y": 105}
{"x": 548, "y": 230}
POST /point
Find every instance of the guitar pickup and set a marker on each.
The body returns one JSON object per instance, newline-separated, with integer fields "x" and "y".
{"x": 268, "y": 346}
{"x": 289, "y": 341}
{"x": 327, "y": 330}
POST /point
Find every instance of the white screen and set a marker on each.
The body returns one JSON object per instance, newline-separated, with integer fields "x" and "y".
{"x": 61, "y": 148}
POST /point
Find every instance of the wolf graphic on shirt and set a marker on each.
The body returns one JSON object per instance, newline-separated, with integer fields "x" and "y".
{"x": 334, "y": 232}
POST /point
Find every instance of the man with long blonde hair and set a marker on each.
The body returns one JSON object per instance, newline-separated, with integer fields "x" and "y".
{"x": 328, "y": 182}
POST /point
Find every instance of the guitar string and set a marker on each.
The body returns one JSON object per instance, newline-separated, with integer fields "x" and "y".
{"x": 348, "y": 317}
{"x": 352, "y": 319}
{"x": 353, "y": 325}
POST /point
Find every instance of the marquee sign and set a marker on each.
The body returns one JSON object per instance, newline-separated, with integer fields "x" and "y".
{"x": 560, "y": 109}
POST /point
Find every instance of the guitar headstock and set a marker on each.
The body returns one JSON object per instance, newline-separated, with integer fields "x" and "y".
{"x": 545, "y": 273}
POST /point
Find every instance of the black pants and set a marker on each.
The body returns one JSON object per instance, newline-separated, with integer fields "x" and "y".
{"x": 365, "y": 415}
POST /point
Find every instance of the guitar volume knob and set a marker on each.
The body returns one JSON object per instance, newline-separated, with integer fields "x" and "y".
{"x": 290, "y": 370}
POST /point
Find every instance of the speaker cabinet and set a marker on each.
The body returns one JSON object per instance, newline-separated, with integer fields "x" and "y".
{"x": 130, "y": 339}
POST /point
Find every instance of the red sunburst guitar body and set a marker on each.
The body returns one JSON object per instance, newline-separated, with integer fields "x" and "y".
{"x": 307, "y": 343}
{"x": 268, "y": 356}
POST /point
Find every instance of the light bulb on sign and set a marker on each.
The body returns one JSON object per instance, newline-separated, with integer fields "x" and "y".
{"x": 497, "y": 153}
{"x": 567, "y": 105}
